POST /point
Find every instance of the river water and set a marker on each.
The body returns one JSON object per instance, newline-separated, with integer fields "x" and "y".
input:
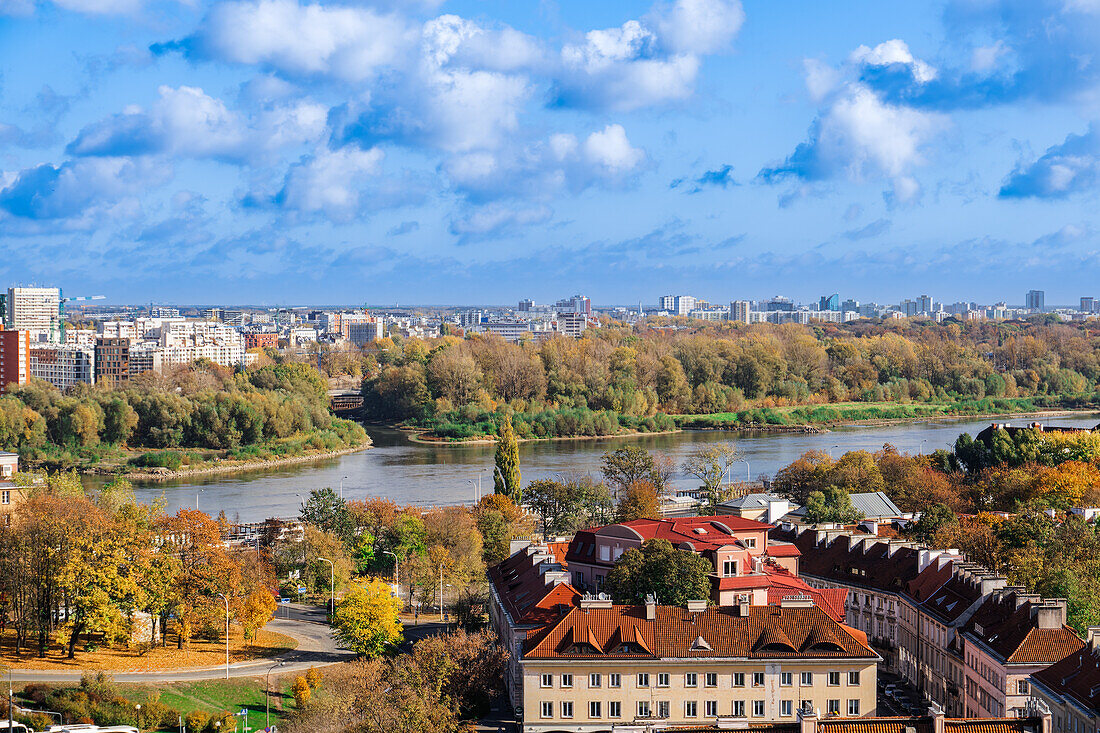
{"x": 412, "y": 473}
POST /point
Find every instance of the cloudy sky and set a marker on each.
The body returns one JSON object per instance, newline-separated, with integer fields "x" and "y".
{"x": 480, "y": 151}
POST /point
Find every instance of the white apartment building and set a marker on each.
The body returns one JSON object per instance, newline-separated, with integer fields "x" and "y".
{"x": 35, "y": 310}
{"x": 63, "y": 365}
{"x": 184, "y": 342}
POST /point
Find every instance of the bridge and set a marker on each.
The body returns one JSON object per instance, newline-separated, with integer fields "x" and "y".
{"x": 345, "y": 402}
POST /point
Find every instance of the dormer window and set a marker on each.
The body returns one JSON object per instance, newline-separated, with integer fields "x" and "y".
{"x": 750, "y": 542}
{"x": 700, "y": 645}
{"x": 699, "y": 530}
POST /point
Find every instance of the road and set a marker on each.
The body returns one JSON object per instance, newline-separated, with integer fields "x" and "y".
{"x": 306, "y": 624}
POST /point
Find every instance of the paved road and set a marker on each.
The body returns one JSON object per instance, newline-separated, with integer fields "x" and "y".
{"x": 316, "y": 648}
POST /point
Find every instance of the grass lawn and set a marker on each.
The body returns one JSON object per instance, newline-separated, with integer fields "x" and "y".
{"x": 215, "y": 697}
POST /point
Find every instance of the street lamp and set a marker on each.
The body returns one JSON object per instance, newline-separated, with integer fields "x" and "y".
{"x": 197, "y": 498}
{"x": 396, "y": 577}
{"x": 440, "y": 591}
{"x": 224, "y": 598}
{"x": 920, "y": 450}
{"x": 748, "y": 472}
{"x": 138, "y": 707}
{"x": 331, "y": 584}
{"x": 267, "y": 690}
{"x": 342, "y": 479}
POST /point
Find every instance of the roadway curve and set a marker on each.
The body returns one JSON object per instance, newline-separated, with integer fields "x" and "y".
{"x": 306, "y": 624}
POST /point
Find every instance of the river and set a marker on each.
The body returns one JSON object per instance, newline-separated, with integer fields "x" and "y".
{"x": 413, "y": 473}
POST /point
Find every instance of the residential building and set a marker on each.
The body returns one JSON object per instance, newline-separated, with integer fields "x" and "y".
{"x": 875, "y": 506}
{"x": 526, "y": 305}
{"x": 516, "y": 331}
{"x": 34, "y": 310}
{"x": 161, "y": 311}
{"x": 471, "y": 318}
{"x": 62, "y": 365}
{"x": 81, "y": 336}
{"x": 571, "y": 324}
{"x": 1088, "y": 304}
{"x": 678, "y": 305}
{"x": 260, "y": 340}
{"x": 575, "y": 304}
{"x": 850, "y": 305}
{"x": 1070, "y": 689}
{"x": 112, "y": 360}
{"x": 366, "y": 332}
{"x": 924, "y": 305}
{"x": 829, "y": 303}
{"x": 15, "y": 347}
{"x": 185, "y": 342}
{"x": 739, "y": 311}
{"x": 778, "y": 303}
{"x": 1035, "y": 300}
{"x": 11, "y": 496}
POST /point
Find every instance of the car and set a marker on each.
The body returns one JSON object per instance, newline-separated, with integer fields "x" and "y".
{"x": 891, "y": 689}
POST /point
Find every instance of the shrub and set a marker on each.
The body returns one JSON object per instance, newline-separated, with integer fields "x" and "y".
{"x": 302, "y": 692}
{"x": 313, "y": 678}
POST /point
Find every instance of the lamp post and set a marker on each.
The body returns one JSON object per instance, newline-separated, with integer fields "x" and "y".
{"x": 748, "y": 472}
{"x": 440, "y": 591}
{"x": 920, "y": 450}
{"x": 396, "y": 569}
{"x": 331, "y": 584}
{"x": 342, "y": 479}
{"x": 138, "y": 708}
{"x": 197, "y": 498}
{"x": 224, "y": 598}
{"x": 267, "y": 690}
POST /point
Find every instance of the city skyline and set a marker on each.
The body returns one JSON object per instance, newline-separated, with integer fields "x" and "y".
{"x": 471, "y": 152}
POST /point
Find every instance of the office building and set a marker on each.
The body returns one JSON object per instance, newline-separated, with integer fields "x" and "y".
{"x": 62, "y": 365}
{"x": 1035, "y": 300}
{"x": 829, "y": 303}
{"x": 366, "y": 332}
{"x": 574, "y": 304}
{"x": 739, "y": 311}
{"x": 776, "y": 304}
{"x": 112, "y": 359}
{"x": 1088, "y": 304}
{"x": 15, "y": 347}
{"x": 35, "y": 310}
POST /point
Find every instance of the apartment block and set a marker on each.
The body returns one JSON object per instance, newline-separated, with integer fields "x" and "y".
{"x": 15, "y": 347}
{"x": 1070, "y": 689}
{"x": 35, "y": 310}
{"x": 63, "y": 365}
{"x": 112, "y": 359}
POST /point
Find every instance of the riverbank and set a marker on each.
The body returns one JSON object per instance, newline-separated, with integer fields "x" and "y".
{"x": 418, "y": 437}
{"x": 225, "y": 466}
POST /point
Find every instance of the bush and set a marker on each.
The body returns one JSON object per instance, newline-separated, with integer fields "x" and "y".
{"x": 302, "y": 692}
{"x": 160, "y": 459}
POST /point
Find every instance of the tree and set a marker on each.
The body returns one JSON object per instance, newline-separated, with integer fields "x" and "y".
{"x": 367, "y": 619}
{"x": 804, "y": 476}
{"x": 673, "y": 576}
{"x": 831, "y": 505}
{"x": 638, "y": 501}
{"x": 568, "y": 504}
{"x": 625, "y": 466}
{"x": 256, "y": 611}
{"x": 932, "y": 521}
{"x": 506, "y": 478}
{"x": 328, "y": 512}
{"x": 710, "y": 465}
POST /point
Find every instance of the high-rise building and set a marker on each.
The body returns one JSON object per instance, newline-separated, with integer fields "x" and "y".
{"x": 15, "y": 347}
{"x": 778, "y": 303}
{"x": 571, "y": 324}
{"x": 526, "y": 305}
{"x": 1035, "y": 300}
{"x": 1088, "y": 304}
{"x": 112, "y": 359}
{"x": 63, "y": 365}
{"x": 575, "y": 304}
{"x": 362, "y": 334}
{"x": 924, "y": 304}
{"x": 850, "y": 305}
{"x": 469, "y": 318}
{"x": 739, "y": 311}
{"x": 35, "y": 310}
{"x": 829, "y": 303}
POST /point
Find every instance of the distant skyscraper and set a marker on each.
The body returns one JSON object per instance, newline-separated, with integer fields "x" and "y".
{"x": 829, "y": 303}
{"x": 36, "y": 310}
{"x": 739, "y": 311}
{"x": 924, "y": 304}
{"x": 575, "y": 304}
{"x": 1088, "y": 305}
{"x": 778, "y": 303}
{"x": 850, "y": 305}
{"x": 1035, "y": 300}
{"x": 679, "y": 305}
{"x": 525, "y": 305}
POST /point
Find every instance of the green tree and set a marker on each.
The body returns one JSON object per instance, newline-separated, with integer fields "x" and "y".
{"x": 673, "y": 576}
{"x": 367, "y": 619}
{"x": 710, "y": 465}
{"x": 931, "y": 521}
{"x": 506, "y": 477}
{"x": 831, "y": 505}
{"x": 624, "y": 466}
{"x": 329, "y": 513}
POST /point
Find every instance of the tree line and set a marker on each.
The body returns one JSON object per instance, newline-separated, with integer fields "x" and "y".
{"x": 618, "y": 377}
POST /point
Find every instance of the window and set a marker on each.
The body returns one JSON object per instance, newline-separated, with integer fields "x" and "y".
{"x": 662, "y": 708}
{"x": 785, "y": 679}
{"x": 547, "y": 680}
{"x": 853, "y": 707}
{"x": 806, "y": 679}
{"x": 711, "y": 679}
{"x": 758, "y": 708}
{"x": 738, "y": 708}
{"x": 547, "y": 709}
{"x": 691, "y": 709}
{"x": 614, "y": 709}
{"x": 757, "y": 679}
{"x": 567, "y": 680}
{"x": 643, "y": 708}
{"x": 729, "y": 568}
{"x": 807, "y": 706}
{"x": 834, "y": 679}
{"x": 594, "y": 709}
{"x": 662, "y": 679}
{"x": 567, "y": 710}
{"x": 691, "y": 679}
{"x": 5, "y": 497}
{"x": 710, "y": 708}
{"x": 750, "y": 542}
{"x": 614, "y": 680}
{"x": 643, "y": 679}
{"x": 786, "y": 708}
{"x": 1021, "y": 685}
{"x": 594, "y": 680}
{"x": 833, "y": 707}
{"x": 738, "y": 679}
{"x": 853, "y": 677}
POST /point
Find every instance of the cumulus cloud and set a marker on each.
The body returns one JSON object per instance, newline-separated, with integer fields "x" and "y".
{"x": 498, "y": 218}
{"x": 329, "y": 182}
{"x": 348, "y": 43}
{"x": 79, "y": 189}
{"x": 185, "y": 121}
{"x": 1071, "y": 167}
{"x": 893, "y": 53}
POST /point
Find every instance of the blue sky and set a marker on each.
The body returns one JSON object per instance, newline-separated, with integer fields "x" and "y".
{"x": 480, "y": 151}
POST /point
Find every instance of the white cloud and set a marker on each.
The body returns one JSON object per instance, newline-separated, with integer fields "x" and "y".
{"x": 985, "y": 59}
{"x": 497, "y": 217}
{"x": 895, "y": 51}
{"x": 330, "y": 182}
{"x": 348, "y": 43}
{"x": 700, "y": 26}
{"x": 610, "y": 150}
{"x": 821, "y": 79}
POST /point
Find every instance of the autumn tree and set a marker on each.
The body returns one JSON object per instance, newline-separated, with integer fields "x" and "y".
{"x": 639, "y": 500}
{"x": 506, "y": 477}
{"x": 711, "y": 465}
{"x": 625, "y": 466}
{"x": 366, "y": 620}
{"x": 834, "y": 504}
{"x": 672, "y": 576}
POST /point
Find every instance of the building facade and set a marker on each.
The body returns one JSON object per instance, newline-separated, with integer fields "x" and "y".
{"x": 112, "y": 359}
{"x": 35, "y": 310}
{"x": 63, "y": 365}
{"x": 15, "y": 347}
{"x": 1070, "y": 689}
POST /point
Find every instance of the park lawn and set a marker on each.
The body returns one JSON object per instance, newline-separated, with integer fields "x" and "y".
{"x": 214, "y": 697}
{"x": 199, "y": 653}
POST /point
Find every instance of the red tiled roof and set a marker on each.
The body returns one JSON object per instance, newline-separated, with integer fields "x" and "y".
{"x": 624, "y": 632}
{"x": 784, "y": 585}
{"x": 1013, "y": 632}
{"x": 1076, "y": 677}
{"x": 782, "y": 549}
{"x": 525, "y": 591}
{"x": 870, "y": 566}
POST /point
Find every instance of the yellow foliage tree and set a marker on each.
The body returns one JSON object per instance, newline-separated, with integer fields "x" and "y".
{"x": 256, "y": 611}
{"x": 1068, "y": 484}
{"x": 367, "y": 619}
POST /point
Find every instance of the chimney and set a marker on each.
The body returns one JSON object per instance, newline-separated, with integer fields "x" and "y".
{"x": 991, "y": 583}
{"x": 1052, "y": 614}
{"x": 743, "y": 608}
{"x": 516, "y": 545}
{"x": 696, "y": 606}
{"x": 1093, "y": 638}
{"x": 936, "y": 713}
{"x": 807, "y": 721}
{"x": 776, "y": 509}
{"x": 650, "y": 608}
{"x": 591, "y": 601}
